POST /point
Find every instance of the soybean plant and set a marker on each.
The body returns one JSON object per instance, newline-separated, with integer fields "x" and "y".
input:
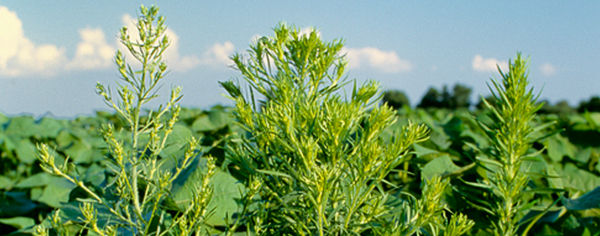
{"x": 314, "y": 161}
{"x": 133, "y": 202}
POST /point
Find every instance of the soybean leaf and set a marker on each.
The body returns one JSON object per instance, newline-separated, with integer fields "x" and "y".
{"x": 7, "y": 143}
{"x": 15, "y": 204}
{"x": 424, "y": 152}
{"x": 56, "y": 193}
{"x": 3, "y": 119}
{"x": 576, "y": 179}
{"x": 219, "y": 117}
{"x": 21, "y": 126}
{"x": 37, "y": 180}
{"x": 49, "y": 127}
{"x": 558, "y": 147}
{"x": 80, "y": 152}
{"x": 6, "y": 183}
{"x": 176, "y": 141}
{"x": 203, "y": 124}
{"x": 583, "y": 156}
{"x": 71, "y": 212}
{"x": 589, "y": 200}
{"x": 226, "y": 190}
{"x": 26, "y": 151}
{"x": 18, "y": 222}
{"x": 437, "y": 167}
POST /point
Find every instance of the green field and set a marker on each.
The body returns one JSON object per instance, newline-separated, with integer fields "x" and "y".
{"x": 296, "y": 155}
{"x": 566, "y": 171}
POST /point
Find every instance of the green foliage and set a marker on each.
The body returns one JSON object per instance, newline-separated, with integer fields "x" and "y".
{"x": 432, "y": 98}
{"x": 561, "y": 108}
{"x": 481, "y": 103}
{"x": 460, "y": 97}
{"x": 591, "y": 105}
{"x": 139, "y": 180}
{"x": 395, "y": 99}
{"x": 301, "y": 158}
{"x": 315, "y": 162}
{"x": 511, "y": 136}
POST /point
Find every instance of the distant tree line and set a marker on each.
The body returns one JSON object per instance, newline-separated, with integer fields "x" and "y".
{"x": 460, "y": 97}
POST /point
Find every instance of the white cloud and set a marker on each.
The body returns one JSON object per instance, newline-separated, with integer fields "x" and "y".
{"x": 219, "y": 54}
{"x": 92, "y": 52}
{"x": 307, "y": 30}
{"x": 385, "y": 61}
{"x": 20, "y": 56}
{"x": 481, "y": 64}
{"x": 548, "y": 69}
{"x": 255, "y": 38}
{"x": 175, "y": 61}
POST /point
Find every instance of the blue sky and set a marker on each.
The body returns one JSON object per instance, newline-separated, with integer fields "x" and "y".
{"x": 52, "y": 53}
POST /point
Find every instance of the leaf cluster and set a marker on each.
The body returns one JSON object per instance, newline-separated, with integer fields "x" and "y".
{"x": 315, "y": 162}
{"x": 135, "y": 197}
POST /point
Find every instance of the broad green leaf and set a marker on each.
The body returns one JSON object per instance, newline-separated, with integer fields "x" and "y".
{"x": 480, "y": 140}
{"x": 549, "y": 216}
{"x": 586, "y": 232}
{"x": 18, "y": 222}
{"x": 80, "y": 152}
{"x": 425, "y": 117}
{"x": 96, "y": 141}
{"x": 22, "y": 126}
{"x": 95, "y": 174}
{"x": 589, "y": 200}
{"x": 226, "y": 190}
{"x": 5, "y": 182}
{"x": 203, "y": 124}
{"x": 547, "y": 230}
{"x": 49, "y": 127}
{"x": 438, "y": 166}
{"x": 423, "y": 152}
{"x": 71, "y": 212}
{"x": 188, "y": 115}
{"x": 220, "y": 117}
{"x": 36, "y": 193}
{"x": 558, "y": 147}
{"x": 64, "y": 139}
{"x": 579, "y": 180}
{"x": 454, "y": 128}
{"x": 583, "y": 156}
{"x": 593, "y": 119}
{"x": 177, "y": 141}
{"x": 15, "y": 204}
{"x": 7, "y": 143}
{"x": 26, "y": 151}
{"x": 56, "y": 193}
{"x": 554, "y": 179}
{"x": 37, "y": 180}
{"x": 440, "y": 139}
{"x": 3, "y": 119}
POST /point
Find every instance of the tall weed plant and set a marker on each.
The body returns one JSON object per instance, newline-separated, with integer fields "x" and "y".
{"x": 133, "y": 200}
{"x": 315, "y": 161}
{"x": 511, "y": 133}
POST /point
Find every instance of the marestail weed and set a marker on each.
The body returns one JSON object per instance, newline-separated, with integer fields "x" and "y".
{"x": 315, "y": 162}
{"x": 133, "y": 202}
{"x": 511, "y": 134}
